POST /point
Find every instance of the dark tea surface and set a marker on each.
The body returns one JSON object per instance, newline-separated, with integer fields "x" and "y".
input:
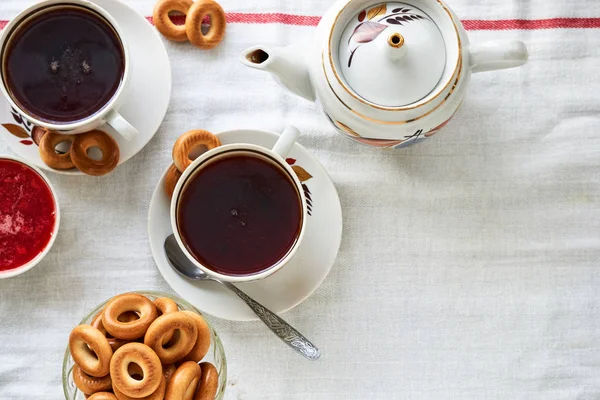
{"x": 63, "y": 65}
{"x": 239, "y": 215}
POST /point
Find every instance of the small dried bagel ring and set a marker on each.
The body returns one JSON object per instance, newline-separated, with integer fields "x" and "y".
{"x": 107, "y": 145}
{"x": 202, "y": 341}
{"x": 96, "y": 317}
{"x": 209, "y": 382}
{"x": 102, "y": 396}
{"x": 164, "y": 327}
{"x": 90, "y": 384}
{"x": 125, "y": 317}
{"x": 158, "y": 394}
{"x": 90, "y": 350}
{"x": 184, "y": 382}
{"x": 114, "y": 342}
{"x": 121, "y": 304}
{"x": 165, "y": 305}
{"x": 48, "y": 153}
{"x": 193, "y": 24}
{"x": 163, "y": 23}
{"x": 187, "y": 142}
{"x": 171, "y": 179}
{"x": 146, "y": 360}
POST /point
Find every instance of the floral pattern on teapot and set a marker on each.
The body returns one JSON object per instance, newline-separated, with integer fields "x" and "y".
{"x": 409, "y": 140}
{"x": 370, "y": 24}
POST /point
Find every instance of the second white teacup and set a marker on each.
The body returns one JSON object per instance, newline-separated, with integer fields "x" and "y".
{"x": 65, "y": 66}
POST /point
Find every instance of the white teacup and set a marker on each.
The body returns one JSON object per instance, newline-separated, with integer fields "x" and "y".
{"x": 275, "y": 155}
{"x": 109, "y": 111}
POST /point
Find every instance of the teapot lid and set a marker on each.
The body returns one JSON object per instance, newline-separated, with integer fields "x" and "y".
{"x": 392, "y": 54}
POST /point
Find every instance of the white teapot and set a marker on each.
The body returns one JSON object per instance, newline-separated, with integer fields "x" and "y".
{"x": 386, "y": 74}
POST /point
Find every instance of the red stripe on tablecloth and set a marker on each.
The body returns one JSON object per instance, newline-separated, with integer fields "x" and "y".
{"x": 472, "y": 25}
{"x": 531, "y": 24}
{"x": 273, "y": 18}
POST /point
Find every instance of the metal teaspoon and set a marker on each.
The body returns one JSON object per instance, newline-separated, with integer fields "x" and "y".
{"x": 282, "y": 329}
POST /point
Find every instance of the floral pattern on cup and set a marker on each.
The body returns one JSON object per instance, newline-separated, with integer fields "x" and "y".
{"x": 303, "y": 176}
{"x": 24, "y": 130}
{"x": 370, "y": 24}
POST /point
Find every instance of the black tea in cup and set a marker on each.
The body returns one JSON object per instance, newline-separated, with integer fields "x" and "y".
{"x": 63, "y": 64}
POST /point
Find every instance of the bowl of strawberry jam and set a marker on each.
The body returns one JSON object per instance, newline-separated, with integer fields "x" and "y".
{"x": 29, "y": 216}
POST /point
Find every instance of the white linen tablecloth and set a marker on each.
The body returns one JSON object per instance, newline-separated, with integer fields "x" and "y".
{"x": 469, "y": 266}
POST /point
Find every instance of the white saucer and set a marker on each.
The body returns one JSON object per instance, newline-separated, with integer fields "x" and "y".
{"x": 288, "y": 287}
{"x": 146, "y": 98}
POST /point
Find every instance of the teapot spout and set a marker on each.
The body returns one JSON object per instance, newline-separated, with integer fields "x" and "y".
{"x": 287, "y": 64}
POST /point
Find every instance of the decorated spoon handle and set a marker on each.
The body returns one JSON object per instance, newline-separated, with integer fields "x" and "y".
{"x": 282, "y": 329}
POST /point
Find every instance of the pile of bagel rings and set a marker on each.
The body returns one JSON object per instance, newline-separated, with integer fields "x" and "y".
{"x": 182, "y": 154}
{"x": 194, "y": 15}
{"x": 136, "y": 348}
{"x": 77, "y": 155}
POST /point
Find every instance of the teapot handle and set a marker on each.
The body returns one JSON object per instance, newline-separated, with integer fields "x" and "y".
{"x": 495, "y": 55}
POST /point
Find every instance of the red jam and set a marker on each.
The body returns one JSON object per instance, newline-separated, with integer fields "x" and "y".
{"x": 27, "y": 214}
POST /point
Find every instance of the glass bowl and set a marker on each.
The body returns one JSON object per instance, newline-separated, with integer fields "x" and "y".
{"x": 215, "y": 355}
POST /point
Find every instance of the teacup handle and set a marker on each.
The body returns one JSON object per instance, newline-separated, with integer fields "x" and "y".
{"x": 121, "y": 125}
{"x": 286, "y": 141}
{"x": 498, "y": 55}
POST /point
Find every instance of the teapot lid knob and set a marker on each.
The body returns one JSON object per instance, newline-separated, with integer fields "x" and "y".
{"x": 396, "y": 49}
{"x": 396, "y": 40}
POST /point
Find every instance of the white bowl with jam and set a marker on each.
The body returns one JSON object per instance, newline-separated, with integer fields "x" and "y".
{"x": 29, "y": 216}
